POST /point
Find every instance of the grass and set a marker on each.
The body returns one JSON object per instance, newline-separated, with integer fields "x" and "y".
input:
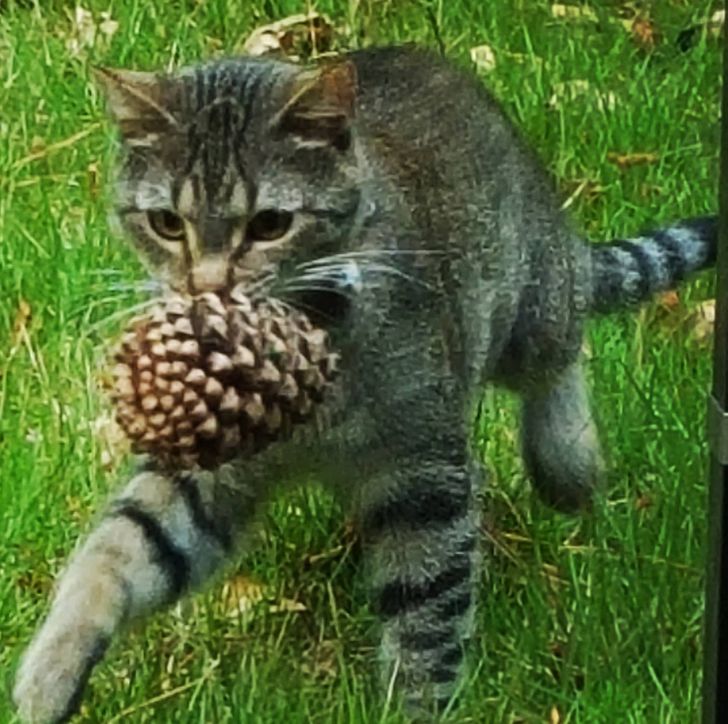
{"x": 594, "y": 619}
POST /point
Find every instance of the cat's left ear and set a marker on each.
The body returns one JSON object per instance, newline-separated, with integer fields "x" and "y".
{"x": 320, "y": 106}
{"x": 136, "y": 102}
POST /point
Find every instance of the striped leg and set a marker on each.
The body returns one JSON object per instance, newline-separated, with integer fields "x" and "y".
{"x": 560, "y": 443}
{"x": 420, "y": 526}
{"x": 161, "y": 537}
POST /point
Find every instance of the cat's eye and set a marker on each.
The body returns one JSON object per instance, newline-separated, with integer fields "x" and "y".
{"x": 167, "y": 224}
{"x": 269, "y": 225}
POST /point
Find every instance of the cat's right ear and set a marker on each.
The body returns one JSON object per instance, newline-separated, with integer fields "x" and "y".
{"x": 136, "y": 103}
{"x": 319, "y": 106}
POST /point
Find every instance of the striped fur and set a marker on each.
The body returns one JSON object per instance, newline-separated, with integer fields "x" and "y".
{"x": 628, "y": 272}
{"x": 161, "y": 536}
{"x": 387, "y": 195}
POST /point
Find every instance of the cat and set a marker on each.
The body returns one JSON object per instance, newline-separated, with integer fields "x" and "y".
{"x": 386, "y": 192}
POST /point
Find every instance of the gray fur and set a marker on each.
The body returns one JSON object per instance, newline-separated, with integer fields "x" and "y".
{"x": 412, "y": 199}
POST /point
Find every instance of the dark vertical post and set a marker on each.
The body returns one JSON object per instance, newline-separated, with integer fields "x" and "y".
{"x": 715, "y": 668}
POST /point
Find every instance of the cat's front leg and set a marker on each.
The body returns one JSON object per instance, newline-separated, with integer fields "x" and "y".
{"x": 162, "y": 536}
{"x": 420, "y": 525}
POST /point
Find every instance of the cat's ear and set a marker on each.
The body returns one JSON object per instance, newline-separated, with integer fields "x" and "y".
{"x": 136, "y": 103}
{"x": 320, "y": 106}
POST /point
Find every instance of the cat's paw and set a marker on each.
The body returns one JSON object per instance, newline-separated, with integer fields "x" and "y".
{"x": 54, "y": 670}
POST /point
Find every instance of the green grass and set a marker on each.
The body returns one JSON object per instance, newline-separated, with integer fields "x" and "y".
{"x": 599, "y": 617}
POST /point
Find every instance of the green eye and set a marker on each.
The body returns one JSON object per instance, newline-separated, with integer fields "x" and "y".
{"x": 269, "y": 225}
{"x": 167, "y": 224}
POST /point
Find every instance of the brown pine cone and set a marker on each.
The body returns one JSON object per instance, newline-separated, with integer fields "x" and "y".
{"x": 199, "y": 381}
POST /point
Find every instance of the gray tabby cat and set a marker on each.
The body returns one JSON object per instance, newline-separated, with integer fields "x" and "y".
{"x": 387, "y": 193}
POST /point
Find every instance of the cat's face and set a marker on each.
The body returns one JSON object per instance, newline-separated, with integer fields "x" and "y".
{"x": 236, "y": 171}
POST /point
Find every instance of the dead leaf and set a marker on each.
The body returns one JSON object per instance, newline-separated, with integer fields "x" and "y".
{"x": 702, "y": 322}
{"x": 643, "y": 502}
{"x": 287, "y": 605}
{"x": 93, "y": 179}
{"x": 322, "y": 660}
{"x": 627, "y": 160}
{"x": 669, "y": 300}
{"x": 573, "y": 12}
{"x": 240, "y": 595}
{"x": 715, "y": 25}
{"x": 649, "y": 191}
{"x": 20, "y": 323}
{"x": 483, "y": 58}
{"x": 349, "y": 539}
{"x": 554, "y": 716}
{"x": 643, "y": 32}
{"x": 114, "y": 445}
{"x": 586, "y": 188}
{"x": 88, "y": 31}
{"x": 571, "y": 90}
{"x": 297, "y": 37}
{"x": 522, "y": 58}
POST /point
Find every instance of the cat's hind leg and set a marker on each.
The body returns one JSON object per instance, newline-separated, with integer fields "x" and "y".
{"x": 560, "y": 443}
{"x": 162, "y": 536}
{"x": 420, "y": 527}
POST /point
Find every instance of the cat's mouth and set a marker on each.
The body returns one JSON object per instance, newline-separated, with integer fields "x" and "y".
{"x": 326, "y": 296}
{"x": 325, "y": 308}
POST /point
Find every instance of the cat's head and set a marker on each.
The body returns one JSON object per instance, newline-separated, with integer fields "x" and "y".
{"x": 240, "y": 170}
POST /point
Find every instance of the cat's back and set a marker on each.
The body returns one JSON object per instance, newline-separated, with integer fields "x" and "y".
{"x": 438, "y": 129}
{"x": 427, "y": 102}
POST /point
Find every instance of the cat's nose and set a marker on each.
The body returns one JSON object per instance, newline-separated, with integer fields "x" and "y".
{"x": 209, "y": 275}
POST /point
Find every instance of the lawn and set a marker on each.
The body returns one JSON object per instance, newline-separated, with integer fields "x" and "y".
{"x": 591, "y": 619}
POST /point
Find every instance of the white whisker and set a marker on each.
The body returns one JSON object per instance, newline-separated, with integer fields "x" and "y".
{"x": 122, "y": 314}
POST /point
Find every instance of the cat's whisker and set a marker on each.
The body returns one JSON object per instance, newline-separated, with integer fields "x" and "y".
{"x": 263, "y": 285}
{"x": 148, "y": 286}
{"x": 105, "y": 272}
{"x": 299, "y": 305}
{"x": 315, "y": 288}
{"x": 386, "y": 269}
{"x": 331, "y": 271}
{"x": 373, "y": 253}
{"x": 122, "y": 314}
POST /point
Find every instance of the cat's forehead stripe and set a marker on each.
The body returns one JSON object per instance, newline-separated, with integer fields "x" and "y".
{"x": 238, "y": 202}
{"x": 186, "y": 199}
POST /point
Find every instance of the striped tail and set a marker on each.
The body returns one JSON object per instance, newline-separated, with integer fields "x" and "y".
{"x": 626, "y": 272}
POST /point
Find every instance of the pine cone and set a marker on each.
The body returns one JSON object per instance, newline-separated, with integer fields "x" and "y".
{"x": 199, "y": 381}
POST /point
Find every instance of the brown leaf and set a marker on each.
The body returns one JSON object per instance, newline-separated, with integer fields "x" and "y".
{"x": 644, "y": 33}
{"x": 241, "y": 594}
{"x": 88, "y": 31}
{"x": 297, "y": 36}
{"x": 669, "y": 300}
{"x": 93, "y": 179}
{"x": 702, "y": 322}
{"x": 483, "y": 58}
{"x": 20, "y": 323}
{"x": 322, "y": 661}
{"x": 627, "y": 160}
{"x": 573, "y": 12}
{"x": 113, "y": 443}
{"x": 643, "y": 502}
{"x": 581, "y": 188}
{"x": 349, "y": 539}
{"x": 287, "y": 605}
{"x": 567, "y": 92}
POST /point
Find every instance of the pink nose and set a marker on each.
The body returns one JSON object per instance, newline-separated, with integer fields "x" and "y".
{"x": 209, "y": 275}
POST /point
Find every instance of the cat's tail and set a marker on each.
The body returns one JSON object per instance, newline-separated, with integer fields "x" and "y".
{"x": 626, "y": 272}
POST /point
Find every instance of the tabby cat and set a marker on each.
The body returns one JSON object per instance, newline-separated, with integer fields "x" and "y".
{"x": 386, "y": 193}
